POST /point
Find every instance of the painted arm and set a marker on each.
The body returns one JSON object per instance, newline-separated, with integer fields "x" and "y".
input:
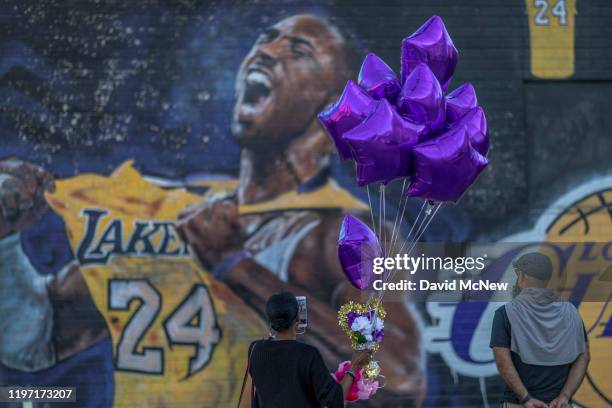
{"x": 78, "y": 323}
{"x": 254, "y": 284}
{"x": 42, "y": 318}
{"x": 574, "y": 379}
{"x": 213, "y": 231}
{"x": 26, "y": 315}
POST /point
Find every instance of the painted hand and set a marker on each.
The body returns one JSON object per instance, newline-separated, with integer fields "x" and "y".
{"x": 22, "y": 200}
{"x": 212, "y": 229}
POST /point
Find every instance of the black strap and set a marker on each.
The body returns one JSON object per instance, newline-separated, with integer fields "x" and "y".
{"x": 244, "y": 380}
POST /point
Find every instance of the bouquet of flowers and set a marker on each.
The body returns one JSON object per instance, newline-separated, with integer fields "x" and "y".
{"x": 364, "y": 324}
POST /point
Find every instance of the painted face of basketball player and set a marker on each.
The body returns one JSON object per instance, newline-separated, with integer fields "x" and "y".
{"x": 287, "y": 77}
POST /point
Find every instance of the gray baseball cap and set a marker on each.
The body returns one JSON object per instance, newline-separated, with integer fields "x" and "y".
{"x": 534, "y": 264}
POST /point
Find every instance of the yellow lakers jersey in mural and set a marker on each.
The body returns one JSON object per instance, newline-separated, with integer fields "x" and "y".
{"x": 179, "y": 336}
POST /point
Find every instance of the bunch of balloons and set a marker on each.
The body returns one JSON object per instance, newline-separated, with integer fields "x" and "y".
{"x": 402, "y": 128}
{"x": 408, "y": 127}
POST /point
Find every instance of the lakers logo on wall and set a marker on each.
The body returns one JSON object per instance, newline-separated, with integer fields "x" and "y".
{"x": 589, "y": 220}
{"x": 579, "y": 225}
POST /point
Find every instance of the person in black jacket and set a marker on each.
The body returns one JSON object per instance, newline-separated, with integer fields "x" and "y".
{"x": 287, "y": 373}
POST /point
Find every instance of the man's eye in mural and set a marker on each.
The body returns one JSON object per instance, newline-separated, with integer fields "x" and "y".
{"x": 300, "y": 48}
{"x": 268, "y": 35}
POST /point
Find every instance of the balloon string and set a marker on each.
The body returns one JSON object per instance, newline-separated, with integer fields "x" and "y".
{"x": 415, "y": 222}
{"x": 395, "y": 241}
{"x": 380, "y": 191}
{"x": 431, "y": 217}
{"x": 430, "y": 213}
{"x": 413, "y": 225}
{"x": 399, "y": 207}
{"x": 384, "y": 218}
{"x": 397, "y": 216}
{"x": 373, "y": 223}
{"x": 389, "y": 274}
{"x": 371, "y": 210}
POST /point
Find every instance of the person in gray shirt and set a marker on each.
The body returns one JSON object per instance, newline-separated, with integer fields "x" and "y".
{"x": 539, "y": 341}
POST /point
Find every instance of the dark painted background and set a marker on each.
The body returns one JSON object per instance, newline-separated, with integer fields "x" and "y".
{"x": 154, "y": 80}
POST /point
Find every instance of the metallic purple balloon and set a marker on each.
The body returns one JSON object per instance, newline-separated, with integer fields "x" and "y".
{"x": 382, "y": 145}
{"x": 432, "y": 45}
{"x": 444, "y": 167}
{"x": 357, "y": 248}
{"x": 460, "y": 101}
{"x": 422, "y": 99}
{"x": 476, "y": 125}
{"x": 378, "y": 78}
{"x": 353, "y": 106}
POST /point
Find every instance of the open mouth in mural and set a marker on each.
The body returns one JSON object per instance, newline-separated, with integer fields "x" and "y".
{"x": 256, "y": 93}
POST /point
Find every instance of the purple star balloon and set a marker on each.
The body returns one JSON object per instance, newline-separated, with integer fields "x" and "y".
{"x": 378, "y": 79}
{"x": 352, "y": 108}
{"x": 403, "y": 128}
{"x": 357, "y": 248}
{"x": 460, "y": 101}
{"x": 422, "y": 99}
{"x": 432, "y": 45}
{"x": 382, "y": 145}
{"x": 475, "y": 123}
{"x": 444, "y": 167}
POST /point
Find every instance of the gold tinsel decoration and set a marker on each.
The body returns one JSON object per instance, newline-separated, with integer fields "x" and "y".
{"x": 372, "y": 370}
{"x": 360, "y": 308}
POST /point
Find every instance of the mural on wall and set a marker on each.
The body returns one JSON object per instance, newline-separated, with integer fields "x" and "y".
{"x": 130, "y": 175}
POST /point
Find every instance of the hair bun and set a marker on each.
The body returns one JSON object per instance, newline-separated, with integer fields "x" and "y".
{"x": 280, "y": 323}
{"x": 281, "y": 309}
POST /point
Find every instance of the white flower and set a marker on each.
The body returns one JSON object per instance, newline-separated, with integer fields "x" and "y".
{"x": 368, "y": 337}
{"x": 360, "y": 324}
{"x": 379, "y": 324}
